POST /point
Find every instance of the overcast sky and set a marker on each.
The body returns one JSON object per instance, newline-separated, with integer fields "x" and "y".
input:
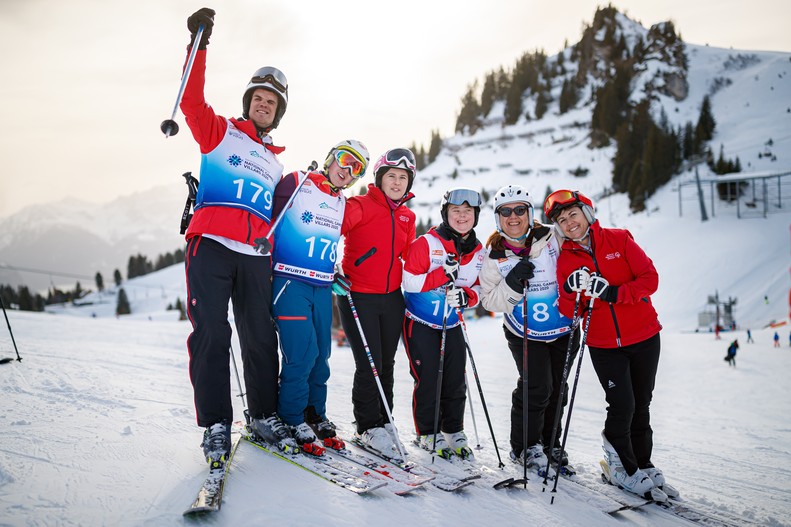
{"x": 86, "y": 83}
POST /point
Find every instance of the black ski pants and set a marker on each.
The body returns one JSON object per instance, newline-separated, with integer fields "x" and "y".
{"x": 545, "y": 361}
{"x": 423, "y": 345}
{"x": 380, "y": 315}
{"x": 215, "y": 275}
{"x": 627, "y": 375}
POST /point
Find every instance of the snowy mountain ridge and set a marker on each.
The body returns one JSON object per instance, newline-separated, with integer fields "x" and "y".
{"x": 749, "y": 98}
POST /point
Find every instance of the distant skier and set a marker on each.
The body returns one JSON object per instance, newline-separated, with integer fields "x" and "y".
{"x": 731, "y": 356}
{"x": 750, "y": 337}
{"x": 777, "y": 340}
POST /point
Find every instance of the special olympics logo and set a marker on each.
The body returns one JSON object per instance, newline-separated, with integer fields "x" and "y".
{"x": 307, "y": 217}
{"x": 235, "y": 160}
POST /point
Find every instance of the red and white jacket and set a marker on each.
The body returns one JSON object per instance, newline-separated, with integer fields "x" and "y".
{"x": 424, "y": 279}
{"x": 209, "y": 129}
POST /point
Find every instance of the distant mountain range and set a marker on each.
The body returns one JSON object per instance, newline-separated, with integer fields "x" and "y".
{"x": 749, "y": 92}
{"x": 75, "y": 239}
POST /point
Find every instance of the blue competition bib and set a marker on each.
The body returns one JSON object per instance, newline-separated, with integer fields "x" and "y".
{"x": 239, "y": 173}
{"x": 306, "y": 241}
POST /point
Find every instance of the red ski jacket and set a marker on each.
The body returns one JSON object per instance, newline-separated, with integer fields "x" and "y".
{"x": 376, "y": 241}
{"x": 618, "y": 258}
{"x": 208, "y": 129}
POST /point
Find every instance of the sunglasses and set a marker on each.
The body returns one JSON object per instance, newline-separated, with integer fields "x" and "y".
{"x": 505, "y": 212}
{"x": 347, "y": 160}
{"x": 272, "y": 76}
{"x": 400, "y": 157}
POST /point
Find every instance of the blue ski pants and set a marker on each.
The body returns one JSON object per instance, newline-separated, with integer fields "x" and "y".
{"x": 303, "y": 314}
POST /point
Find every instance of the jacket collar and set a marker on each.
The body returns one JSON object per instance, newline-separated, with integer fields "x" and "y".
{"x": 248, "y": 127}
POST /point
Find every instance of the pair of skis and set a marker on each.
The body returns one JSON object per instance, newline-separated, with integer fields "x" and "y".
{"x": 358, "y": 472}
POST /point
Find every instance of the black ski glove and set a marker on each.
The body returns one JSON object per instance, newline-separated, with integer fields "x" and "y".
{"x": 610, "y": 294}
{"x": 518, "y": 278}
{"x": 202, "y": 17}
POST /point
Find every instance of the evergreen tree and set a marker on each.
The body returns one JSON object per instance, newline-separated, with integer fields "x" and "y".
{"x": 541, "y": 104}
{"x": 568, "y": 96}
{"x": 688, "y": 141}
{"x": 469, "y": 115}
{"x": 123, "y": 307}
{"x": 704, "y": 131}
{"x": 182, "y": 310}
{"x": 488, "y": 95}
{"x": 435, "y": 146}
{"x": 503, "y": 83}
{"x": 117, "y": 277}
{"x": 612, "y": 101}
{"x": 421, "y": 228}
{"x": 25, "y": 299}
{"x": 99, "y": 281}
{"x": 513, "y": 104}
{"x": 420, "y": 163}
{"x": 77, "y": 291}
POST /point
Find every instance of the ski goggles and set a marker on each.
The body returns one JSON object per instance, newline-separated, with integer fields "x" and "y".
{"x": 560, "y": 199}
{"x": 348, "y": 160}
{"x": 402, "y": 157}
{"x": 459, "y": 196}
{"x": 505, "y": 212}
{"x": 273, "y": 76}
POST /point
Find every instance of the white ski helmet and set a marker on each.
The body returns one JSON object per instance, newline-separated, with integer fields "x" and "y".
{"x": 354, "y": 147}
{"x": 272, "y": 79}
{"x": 513, "y": 194}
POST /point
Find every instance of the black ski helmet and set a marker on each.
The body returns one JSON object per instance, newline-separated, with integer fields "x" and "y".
{"x": 459, "y": 196}
{"x": 272, "y": 79}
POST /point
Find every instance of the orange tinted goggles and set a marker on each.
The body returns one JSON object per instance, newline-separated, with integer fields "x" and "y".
{"x": 347, "y": 160}
{"x": 559, "y": 198}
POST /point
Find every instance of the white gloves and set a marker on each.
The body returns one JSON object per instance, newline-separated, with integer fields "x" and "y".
{"x": 456, "y": 297}
{"x": 577, "y": 281}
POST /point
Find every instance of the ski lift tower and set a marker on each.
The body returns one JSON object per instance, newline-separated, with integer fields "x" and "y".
{"x": 717, "y": 312}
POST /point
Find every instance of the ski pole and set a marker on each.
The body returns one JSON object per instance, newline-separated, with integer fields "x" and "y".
{"x": 480, "y": 388}
{"x": 239, "y": 383}
{"x": 13, "y": 341}
{"x": 574, "y": 390}
{"x": 524, "y": 384}
{"x": 376, "y": 374}
{"x": 262, "y": 244}
{"x": 511, "y": 482}
{"x": 472, "y": 413}
{"x": 169, "y": 126}
{"x": 564, "y": 380}
{"x": 445, "y": 313}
